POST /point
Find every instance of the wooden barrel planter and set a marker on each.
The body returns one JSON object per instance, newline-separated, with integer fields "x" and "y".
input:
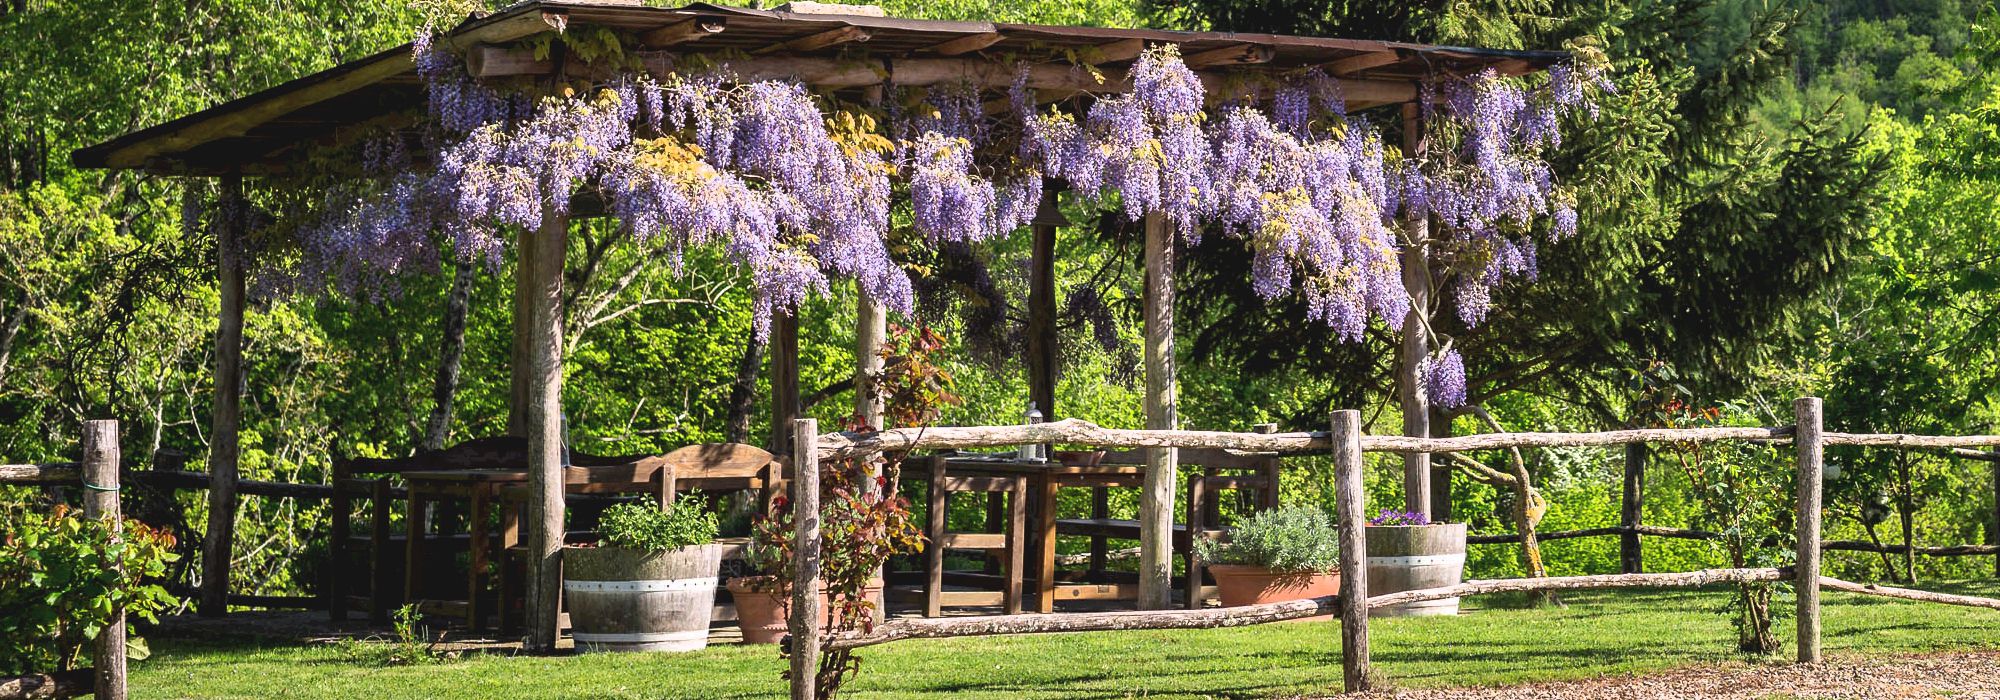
{"x": 1415, "y": 557}
{"x": 1239, "y": 585}
{"x": 630, "y": 600}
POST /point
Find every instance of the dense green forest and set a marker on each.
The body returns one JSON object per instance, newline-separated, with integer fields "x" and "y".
{"x": 1780, "y": 200}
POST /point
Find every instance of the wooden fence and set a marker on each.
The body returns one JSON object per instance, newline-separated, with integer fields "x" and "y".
{"x": 1347, "y": 445}
{"x": 98, "y": 475}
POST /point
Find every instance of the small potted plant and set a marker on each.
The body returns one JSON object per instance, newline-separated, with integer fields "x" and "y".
{"x": 649, "y": 585}
{"x": 1407, "y": 552}
{"x": 1286, "y": 553}
{"x": 764, "y": 598}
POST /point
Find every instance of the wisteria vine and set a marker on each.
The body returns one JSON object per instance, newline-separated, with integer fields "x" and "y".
{"x": 797, "y": 189}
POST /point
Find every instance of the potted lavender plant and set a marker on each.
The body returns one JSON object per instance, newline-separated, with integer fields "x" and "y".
{"x": 1407, "y": 552}
{"x": 1286, "y": 553}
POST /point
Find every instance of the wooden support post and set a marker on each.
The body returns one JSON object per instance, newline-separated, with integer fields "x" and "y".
{"x": 804, "y": 623}
{"x": 1416, "y": 340}
{"x": 1631, "y": 559}
{"x": 1156, "y": 499}
{"x": 223, "y": 446}
{"x": 1811, "y": 449}
{"x": 1993, "y": 535}
{"x": 785, "y": 406}
{"x": 1042, "y": 307}
{"x": 871, "y": 330}
{"x": 1350, "y": 503}
{"x": 542, "y": 252}
{"x": 100, "y": 500}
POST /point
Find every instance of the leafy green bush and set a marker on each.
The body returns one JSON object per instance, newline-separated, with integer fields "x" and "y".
{"x": 61, "y": 575}
{"x": 1288, "y": 538}
{"x": 644, "y": 527}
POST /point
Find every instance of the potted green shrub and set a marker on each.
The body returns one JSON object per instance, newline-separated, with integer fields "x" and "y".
{"x": 1408, "y": 552}
{"x": 649, "y": 585}
{"x": 1286, "y": 553}
{"x": 853, "y": 525}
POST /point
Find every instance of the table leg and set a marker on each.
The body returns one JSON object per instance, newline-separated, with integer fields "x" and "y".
{"x": 1100, "y": 547}
{"x": 510, "y": 535}
{"x": 1197, "y": 524}
{"x": 1017, "y": 545}
{"x": 379, "y": 580}
{"x": 939, "y": 504}
{"x": 996, "y": 522}
{"x": 413, "y": 546}
{"x": 1045, "y": 545}
{"x": 478, "y": 532}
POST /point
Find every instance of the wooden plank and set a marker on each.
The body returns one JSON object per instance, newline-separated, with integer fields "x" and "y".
{"x": 1239, "y": 55}
{"x": 974, "y": 540}
{"x": 226, "y": 411}
{"x": 1078, "y": 431}
{"x": 1017, "y": 546}
{"x": 987, "y": 625}
{"x": 1631, "y": 557}
{"x": 1415, "y": 347}
{"x": 1044, "y": 491}
{"x": 100, "y": 500}
{"x": 543, "y": 251}
{"x": 66, "y": 472}
{"x": 804, "y": 625}
{"x": 1906, "y": 441}
{"x": 1350, "y": 502}
{"x": 967, "y": 44}
{"x": 1811, "y": 455}
{"x": 684, "y": 32}
{"x": 1096, "y": 591}
{"x": 1360, "y": 62}
{"x": 815, "y": 42}
{"x": 1156, "y": 498}
{"x": 1198, "y": 496}
{"x": 1114, "y": 52}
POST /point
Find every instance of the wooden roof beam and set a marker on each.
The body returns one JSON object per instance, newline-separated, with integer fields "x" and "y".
{"x": 1114, "y": 52}
{"x": 1240, "y": 54}
{"x": 1361, "y": 62}
{"x": 967, "y": 44}
{"x": 683, "y": 32}
{"x": 815, "y": 42}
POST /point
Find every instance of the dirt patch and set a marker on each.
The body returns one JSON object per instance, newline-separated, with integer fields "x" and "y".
{"x": 1949, "y": 675}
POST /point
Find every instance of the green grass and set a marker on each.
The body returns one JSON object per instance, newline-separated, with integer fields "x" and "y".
{"x": 1604, "y": 632}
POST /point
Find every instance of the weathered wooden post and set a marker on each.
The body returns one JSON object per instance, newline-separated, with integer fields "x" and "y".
{"x": 1156, "y": 499}
{"x": 804, "y": 625}
{"x": 1994, "y": 534}
{"x": 542, "y": 253}
{"x": 1350, "y": 501}
{"x": 1631, "y": 558}
{"x": 226, "y": 416}
{"x": 1415, "y": 345}
{"x": 100, "y": 500}
{"x": 1811, "y": 451}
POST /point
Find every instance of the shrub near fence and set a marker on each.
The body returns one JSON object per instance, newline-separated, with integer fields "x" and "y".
{"x": 1347, "y": 445}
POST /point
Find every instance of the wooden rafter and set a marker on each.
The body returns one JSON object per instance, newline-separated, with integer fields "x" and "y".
{"x": 1361, "y": 62}
{"x": 683, "y": 32}
{"x": 815, "y": 42}
{"x": 967, "y": 44}
{"x": 1241, "y": 54}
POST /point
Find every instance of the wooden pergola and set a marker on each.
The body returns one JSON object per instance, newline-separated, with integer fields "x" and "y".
{"x": 850, "y": 51}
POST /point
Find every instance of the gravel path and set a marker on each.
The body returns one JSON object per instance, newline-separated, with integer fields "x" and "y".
{"x": 1948, "y": 675}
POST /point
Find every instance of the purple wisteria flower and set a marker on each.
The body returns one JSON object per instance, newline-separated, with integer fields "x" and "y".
{"x": 1399, "y": 517}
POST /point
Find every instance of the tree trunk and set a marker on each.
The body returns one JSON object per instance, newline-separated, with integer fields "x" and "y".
{"x": 743, "y": 390}
{"x": 451, "y": 351}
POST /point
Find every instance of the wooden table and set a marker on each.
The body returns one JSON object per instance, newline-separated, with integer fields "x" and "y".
{"x": 1045, "y": 480}
{"x": 480, "y": 487}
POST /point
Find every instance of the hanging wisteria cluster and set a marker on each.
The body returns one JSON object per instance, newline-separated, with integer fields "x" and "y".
{"x": 796, "y": 189}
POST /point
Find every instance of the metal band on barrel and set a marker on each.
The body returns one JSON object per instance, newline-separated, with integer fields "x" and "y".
{"x": 679, "y": 584}
{"x": 1428, "y": 560}
{"x": 640, "y": 637}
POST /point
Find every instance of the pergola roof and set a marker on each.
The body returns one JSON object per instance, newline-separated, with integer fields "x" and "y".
{"x": 262, "y": 132}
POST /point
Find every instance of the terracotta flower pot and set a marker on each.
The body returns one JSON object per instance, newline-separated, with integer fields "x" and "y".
{"x": 1253, "y": 585}
{"x": 763, "y": 614}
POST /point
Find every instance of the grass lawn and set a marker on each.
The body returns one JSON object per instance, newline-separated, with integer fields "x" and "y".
{"x": 1601, "y": 632}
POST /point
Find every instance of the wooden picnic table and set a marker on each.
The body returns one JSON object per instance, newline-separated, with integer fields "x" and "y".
{"x": 1045, "y": 479}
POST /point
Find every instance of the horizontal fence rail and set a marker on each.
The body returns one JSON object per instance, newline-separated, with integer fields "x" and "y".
{"x": 1960, "y": 550}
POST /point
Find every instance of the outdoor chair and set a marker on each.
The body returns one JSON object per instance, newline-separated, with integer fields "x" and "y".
{"x": 1005, "y": 539}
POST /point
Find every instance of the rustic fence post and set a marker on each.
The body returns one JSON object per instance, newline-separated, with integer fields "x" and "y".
{"x": 804, "y": 624}
{"x": 1631, "y": 555}
{"x": 100, "y": 500}
{"x": 1994, "y": 534}
{"x": 1811, "y": 450}
{"x": 1350, "y": 500}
